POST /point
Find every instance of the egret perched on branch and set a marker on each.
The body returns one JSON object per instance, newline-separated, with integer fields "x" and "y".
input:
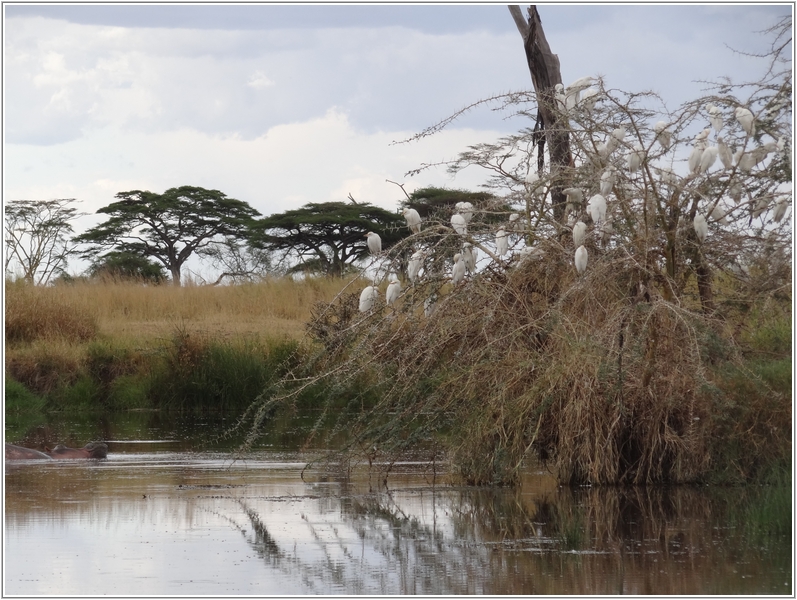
{"x": 635, "y": 157}
{"x": 701, "y": 227}
{"x": 393, "y": 290}
{"x": 579, "y": 231}
{"x": 744, "y": 160}
{"x": 761, "y": 205}
{"x": 469, "y": 256}
{"x": 718, "y": 214}
{"x": 501, "y": 243}
{"x": 780, "y": 209}
{"x": 465, "y": 209}
{"x": 596, "y": 207}
{"x": 374, "y": 242}
{"x": 413, "y": 219}
{"x": 559, "y": 97}
{"x": 715, "y": 116}
{"x": 724, "y": 153}
{"x": 697, "y": 153}
{"x": 414, "y": 265}
{"x": 459, "y": 224}
{"x": 581, "y": 259}
{"x": 735, "y": 192}
{"x": 663, "y": 136}
{"x": 746, "y": 120}
{"x": 708, "y": 158}
{"x": 458, "y": 272}
{"x": 619, "y": 133}
{"x": 607, "y": 180}
{"x": 514, "y": 222}
{"x": 574, "y": 197}
{"x": 368, "y": 297}
{"x": 588, "y": 99}
{"x": 573, "y": 91}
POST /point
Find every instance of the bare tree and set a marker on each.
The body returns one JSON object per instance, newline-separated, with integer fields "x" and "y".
{"x": 37, "y": 237}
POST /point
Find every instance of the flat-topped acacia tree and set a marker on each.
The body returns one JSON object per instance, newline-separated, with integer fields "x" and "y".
{"x": 169, "y": 227}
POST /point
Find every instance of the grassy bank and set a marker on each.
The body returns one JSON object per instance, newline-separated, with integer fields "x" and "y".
{"x": 119, "y": 345}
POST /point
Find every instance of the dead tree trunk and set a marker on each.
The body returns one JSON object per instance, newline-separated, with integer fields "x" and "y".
{"x": 545, "y": 74}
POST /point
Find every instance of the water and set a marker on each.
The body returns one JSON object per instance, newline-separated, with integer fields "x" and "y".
{"x": 167, "y": 514}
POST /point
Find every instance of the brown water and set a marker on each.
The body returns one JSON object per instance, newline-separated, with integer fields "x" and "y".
{"x": 164, "y": 516}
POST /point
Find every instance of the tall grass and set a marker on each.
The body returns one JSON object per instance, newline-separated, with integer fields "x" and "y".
{"x": 123, "y": 345}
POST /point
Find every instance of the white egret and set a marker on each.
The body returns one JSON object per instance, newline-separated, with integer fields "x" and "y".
{"x": 596, "y": 207}
{"x": 588, "y": 99}
{"x": 703, "y": 136}
{"x": 501, "y": 242}
{"x": 609, "y": 146}
{"x": 635, "y": 157}
{"x": 735, "y": 192}
{"x": 579, "y": 231}
{"x": 428, "y": 305}
{"x": 607, "y": 229}
{"x": 559, "y": 97}
{"x": 663, "y": 136}
{"x": 393, "y": 290}
{"x": 701, "y": 227}
{"x": 459, "y": 224}
{"x": 368, "y": 297}
{"x": 458, "y": 272}
{"x": 413, "y": 219}
{"x": 744, "y": 160}
{"x": 619, "y": 133}
{"x": 718, "y": 214}
{"x": 746, "y": 120}
{"x": 724, "y": 153}
{"x": 414, "y": 265}
{"x": 465, "y": 209}
{"x": 608, "y": 178}
{"x": 695, "y": 157}
{"x": 374, "y": 242}
{"x": 708, "y": 158}
{"x": 761, "y": 206}
{"x": 714, "y": 116}
{"x": 515, "y": 222}
{"x": 469, "y": 254}
{"x": 573, "y": 91}
{"x": 780, "y": 209}
{"x": 581, "y": 259}
{"x": 780, "y": 144}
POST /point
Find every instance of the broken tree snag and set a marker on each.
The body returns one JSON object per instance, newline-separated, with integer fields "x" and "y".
{"x": 545, "y": 74}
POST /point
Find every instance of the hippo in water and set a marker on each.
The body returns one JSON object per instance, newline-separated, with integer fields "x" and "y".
{"x": 90, "y": 450}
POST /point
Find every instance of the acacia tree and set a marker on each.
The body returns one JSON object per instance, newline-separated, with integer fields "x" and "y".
{"x": 170, "y": 227}
{"x": 37, "y": 237}
{"x": 327, "y": 237}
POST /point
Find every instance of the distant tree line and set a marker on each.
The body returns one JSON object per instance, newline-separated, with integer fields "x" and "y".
{"x": 150, "y": 237}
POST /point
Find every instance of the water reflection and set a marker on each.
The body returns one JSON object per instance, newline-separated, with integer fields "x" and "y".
{"x": 153, "y": 519}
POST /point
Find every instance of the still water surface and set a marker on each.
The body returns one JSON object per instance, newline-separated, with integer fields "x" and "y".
{"x": 167, "y": 514}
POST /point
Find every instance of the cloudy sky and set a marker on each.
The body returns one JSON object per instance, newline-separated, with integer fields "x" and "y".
{"x": 280, "y": 105}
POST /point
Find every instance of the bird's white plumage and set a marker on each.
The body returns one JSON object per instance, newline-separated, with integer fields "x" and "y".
{"x": 501, "y": 242}
{"x": 635, "y": 157}
{"x": 458, "y": 272}
{"x": 368, "y": 297}
{"x": 701, "y": 227}
{"x": 746, "y": 120}
{"x": 714, "y": 116}
{"x": 465, "y": 209}
{"x": 413, "y": 219}
{"x": 608, "y": 178}
{"x": 579, "y": 231}
{"x": 459, "y": 224}
{"x": 724, "y": 153}
{"x": 663, "y": 135}
{"x": 393, "y": 290}
{"x": 469, "y": 254}
{"x": 374, "y": 242}
{"x": 581, "y": 258}
{"x": 596, "y": 207}
{"x": 414, "y": 265}
{"x": 707, "y": 158}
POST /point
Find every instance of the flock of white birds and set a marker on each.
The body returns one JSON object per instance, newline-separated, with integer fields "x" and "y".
{"x": 580, "y": 94}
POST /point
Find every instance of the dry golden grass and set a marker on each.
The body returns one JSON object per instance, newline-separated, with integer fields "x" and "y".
{"x": 277, "y": 308}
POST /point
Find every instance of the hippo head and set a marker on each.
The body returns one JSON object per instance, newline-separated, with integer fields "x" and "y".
{"x": 97, "y": 449}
